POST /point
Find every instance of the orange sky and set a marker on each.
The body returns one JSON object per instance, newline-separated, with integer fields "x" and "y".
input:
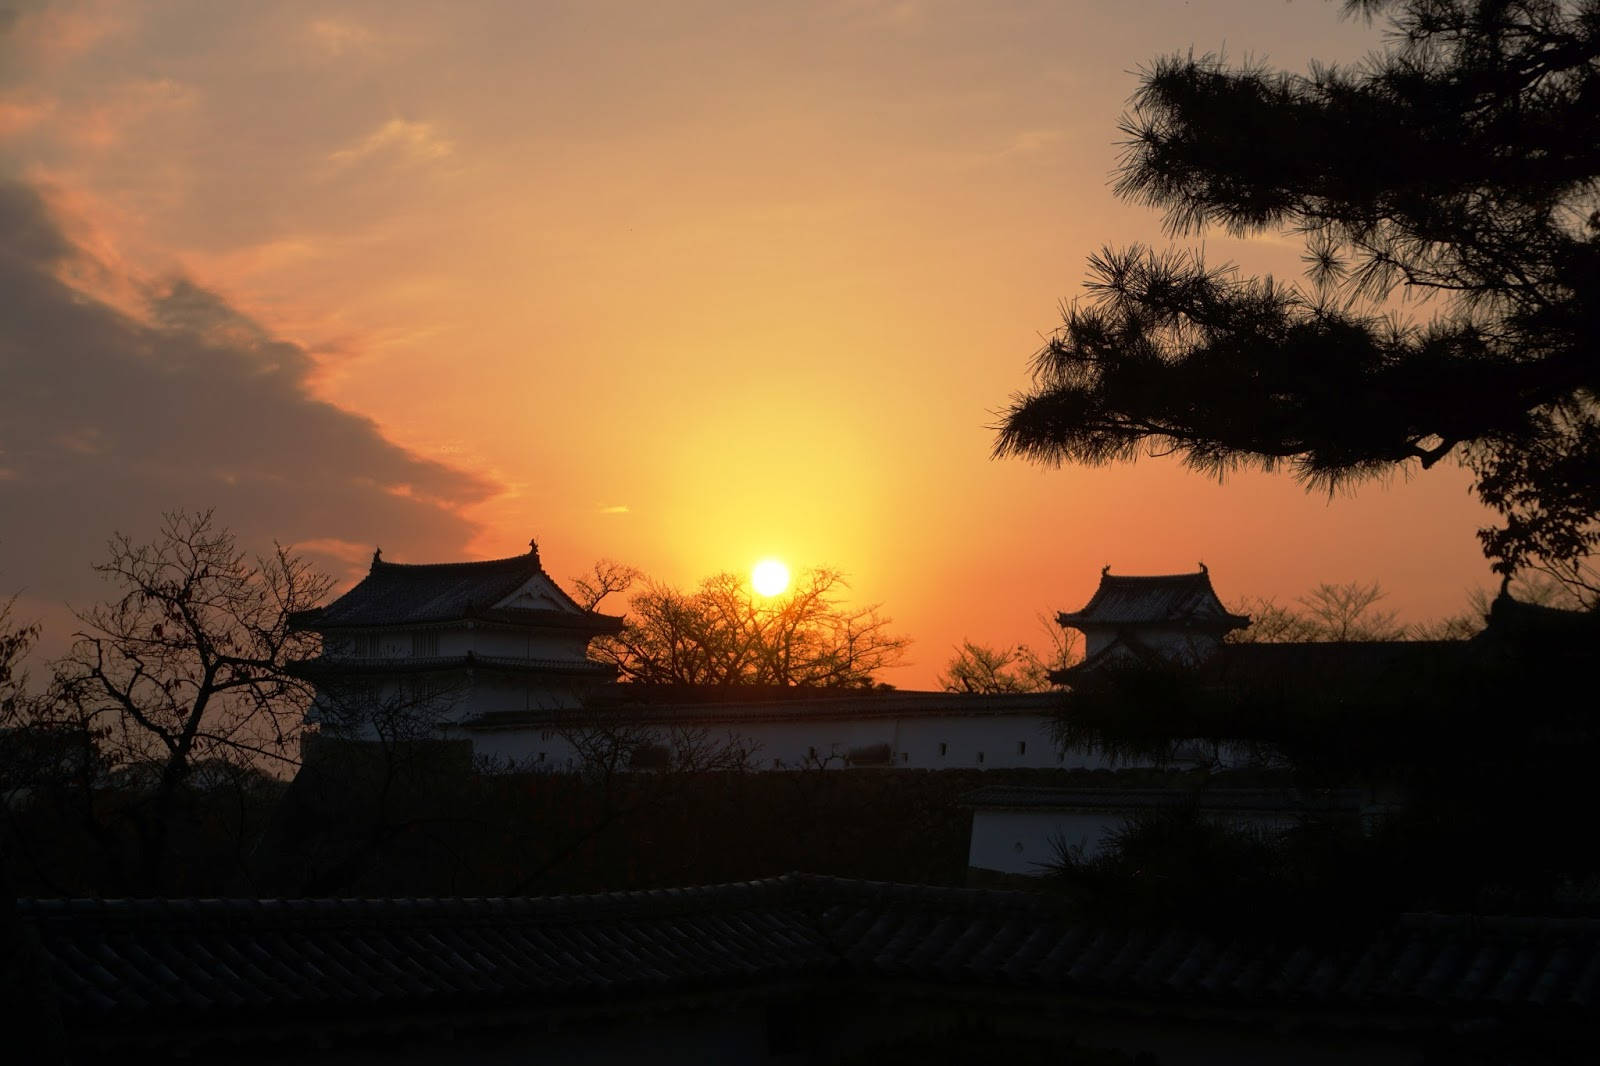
{"x": 681, "y": 284}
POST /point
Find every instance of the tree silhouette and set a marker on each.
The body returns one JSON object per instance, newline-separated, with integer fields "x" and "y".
{"x": 723, "y": 634}
{"x": 1328, "y": 612}
{"x": 179, "y": 684}
{"x": 16, "y": 640}
{"x": 983, "y": 668}
{"x": 1461, "y": 167}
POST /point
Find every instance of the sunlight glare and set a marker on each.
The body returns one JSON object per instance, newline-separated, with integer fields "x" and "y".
{"x": 769, "y": 577}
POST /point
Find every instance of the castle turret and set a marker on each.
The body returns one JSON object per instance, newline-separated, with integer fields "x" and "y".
{"x": 1174, "y": 618}
{"x": 449, "y": 641}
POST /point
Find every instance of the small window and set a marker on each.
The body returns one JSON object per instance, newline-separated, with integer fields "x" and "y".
{"x": 811, "y": 752}
{"x": 944, "y": 749}
{"x": 1022, "y": 747}
{"x": 980, "y": 756}
{"x": 777, "y": 764}
{"x": 425, "y": 645}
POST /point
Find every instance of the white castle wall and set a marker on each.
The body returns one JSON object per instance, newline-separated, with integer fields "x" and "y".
{"x": 1028, "y": 841}
{"x": 923, "y": 741}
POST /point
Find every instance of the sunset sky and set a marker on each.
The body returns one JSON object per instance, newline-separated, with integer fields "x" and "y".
{"x": 682, "y": 284}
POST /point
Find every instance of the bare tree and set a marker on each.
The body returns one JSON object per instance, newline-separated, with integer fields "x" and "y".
{"x": 723, "y": 634}
{"x": 1573, "y": 583}
{"x": 1328, "y": 612}
{"x": 186, "y": 668}
{"x": 981, "y": 668}
{"x": 16, "y": 640}
{"x": 1350, "y": 612}
{"x": 606, "y": 577}
{"x": 1022, "y": 668}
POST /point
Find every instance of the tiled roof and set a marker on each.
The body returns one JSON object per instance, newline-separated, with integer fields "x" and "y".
{"x": 183, "y": 972}
{"x": 1513, "y": 619}
{"x": 1213, "y": 799}
{"x": 405, "y": 594}
{"x": 1166, "y": 600}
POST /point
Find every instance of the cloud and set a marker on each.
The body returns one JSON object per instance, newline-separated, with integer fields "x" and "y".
{"x": 115, "y": 119}
{"x": 398, "y": 138}
{"x": 615, "y": 508}
{"x": 48, "y": 34}
{"x": 109, "y": 417}
{"x": 333, "y": 37}
{"x": 1027, "y": 142}
{"x": 20, "y": 113}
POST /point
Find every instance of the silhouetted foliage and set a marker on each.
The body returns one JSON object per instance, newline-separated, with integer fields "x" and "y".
{"x": 174, "y": 691}
{"x": 1181, "y": 866}
{"x": 1460, "y": 165}
{"x": 981, "y": 668}
{"x": 1482, "y": 748}
{"x": 16, "y": 640}
{"x": 723, "y": 634}
{"x": 1327, "y": 612}
{"x": 606, "y": 577}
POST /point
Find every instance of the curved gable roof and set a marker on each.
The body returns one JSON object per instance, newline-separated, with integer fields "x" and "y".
{"x": 1160, "y": 600}
{"x": 515, "y": 590}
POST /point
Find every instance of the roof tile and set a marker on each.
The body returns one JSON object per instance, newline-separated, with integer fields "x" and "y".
{"x": 215, "y": 967}
{"x": 1162, "y": 600}
{"x": 411, "y": 594}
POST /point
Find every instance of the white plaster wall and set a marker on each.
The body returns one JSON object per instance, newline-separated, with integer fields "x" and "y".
{"x": 1004, "y": 741}
{"x": 522, "y": 750}
{"x": 1024, "y": 841}
{"x": 460, "y": 639}
{"x": 457, "y": 697}
{"x": 510, "y": 644}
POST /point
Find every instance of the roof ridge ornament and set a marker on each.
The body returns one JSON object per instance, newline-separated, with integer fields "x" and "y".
{"x": 533, "y": 550}
{"x": 377, "y": 557}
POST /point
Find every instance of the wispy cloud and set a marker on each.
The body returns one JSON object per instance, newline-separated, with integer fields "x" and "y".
{"x": 1026, "y": 142}
{"x": 112, "y": 121}
{"x": 397, "y": 138}
{"x": 333, "y": 38}
{"x": 615, "y": 508}
{"x": 49, "y": 34}
{"x": 20, "y": 113}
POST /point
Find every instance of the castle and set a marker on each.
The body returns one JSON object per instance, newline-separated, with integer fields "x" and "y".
{"x": 495, "y": 653}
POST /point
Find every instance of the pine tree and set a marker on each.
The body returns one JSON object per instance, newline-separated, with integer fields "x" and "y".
{"x": 1453, "y": 175}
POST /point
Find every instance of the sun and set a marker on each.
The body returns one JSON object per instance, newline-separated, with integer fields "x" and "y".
{"x": 769, "y": 577}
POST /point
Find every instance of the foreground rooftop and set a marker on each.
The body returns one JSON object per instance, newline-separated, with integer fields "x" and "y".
{"x": 186, "y": 975}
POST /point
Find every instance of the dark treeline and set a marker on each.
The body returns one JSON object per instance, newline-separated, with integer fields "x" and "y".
{"x": 1475, "y": 757}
